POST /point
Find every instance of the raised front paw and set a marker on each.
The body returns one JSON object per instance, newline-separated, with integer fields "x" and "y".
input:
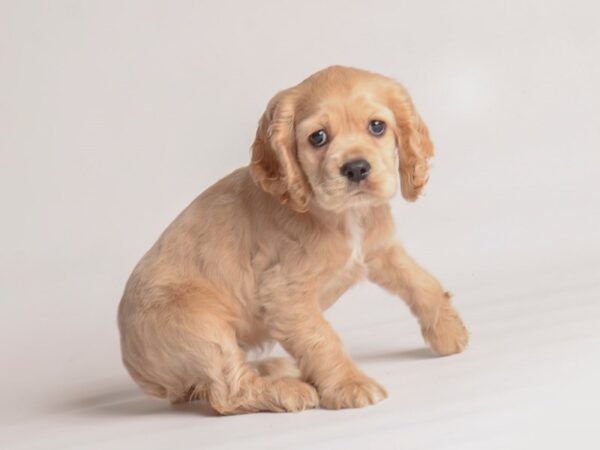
{"x": 447, "y": 334}
{"x": 352, "y": 391}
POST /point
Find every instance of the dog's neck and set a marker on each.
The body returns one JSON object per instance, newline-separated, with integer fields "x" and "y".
{"x": 351, "y": 222}
{"x": 354, "y": 227}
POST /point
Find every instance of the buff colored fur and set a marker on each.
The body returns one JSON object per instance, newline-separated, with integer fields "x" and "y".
{"x": 259, "y": 255}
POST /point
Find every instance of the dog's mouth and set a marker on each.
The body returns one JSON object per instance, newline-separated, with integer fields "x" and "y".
{"x": 360, "y": 193}
{"x": 339, "y": 194}
{"x": 364, "y": 188}
{"x": 368, "y": 192}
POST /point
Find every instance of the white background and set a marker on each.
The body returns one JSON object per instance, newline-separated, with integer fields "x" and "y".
{"x": 115, "y": 115}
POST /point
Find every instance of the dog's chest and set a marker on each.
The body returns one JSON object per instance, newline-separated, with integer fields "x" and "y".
{"x": 350, "y": 268}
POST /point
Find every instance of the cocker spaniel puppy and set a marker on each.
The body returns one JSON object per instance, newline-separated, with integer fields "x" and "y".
{"x": 258, "y": 256}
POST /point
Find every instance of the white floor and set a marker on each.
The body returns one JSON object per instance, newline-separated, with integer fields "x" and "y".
{"x": 115, "y": 115}
{"x": 529, "y": 380}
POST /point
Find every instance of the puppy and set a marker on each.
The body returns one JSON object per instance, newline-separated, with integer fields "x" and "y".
{"x": 259, "y": 255}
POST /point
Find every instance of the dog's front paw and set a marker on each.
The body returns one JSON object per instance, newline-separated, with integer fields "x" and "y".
{"x": 354, "y": 391}
{"x": 448, "y": 334}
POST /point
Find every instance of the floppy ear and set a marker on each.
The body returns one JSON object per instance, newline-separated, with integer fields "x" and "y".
{"x": 274, "y": 166}
{"x": 414, "y": 145}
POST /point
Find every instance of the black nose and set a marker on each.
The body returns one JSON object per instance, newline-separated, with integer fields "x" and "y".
{"x": 356, "y": 170}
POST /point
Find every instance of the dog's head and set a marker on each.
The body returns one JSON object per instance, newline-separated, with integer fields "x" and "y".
{"x": 339, "y": 139}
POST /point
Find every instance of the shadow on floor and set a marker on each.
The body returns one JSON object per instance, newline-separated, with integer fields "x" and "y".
{"x": 128, "y": 401}
{"x": 422, "y": 353}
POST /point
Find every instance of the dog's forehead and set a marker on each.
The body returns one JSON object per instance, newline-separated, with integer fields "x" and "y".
{"x": 338, "y": 113}
{"x": 355, "y": 103}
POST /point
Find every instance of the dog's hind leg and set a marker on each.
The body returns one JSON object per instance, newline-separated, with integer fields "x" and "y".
{"x": 184, "y": 346}
{"x": 238, "y": 387}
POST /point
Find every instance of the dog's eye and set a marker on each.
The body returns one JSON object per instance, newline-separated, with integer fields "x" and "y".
{"x": 376, "y": 127}
{"x": 318, "y": 138}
